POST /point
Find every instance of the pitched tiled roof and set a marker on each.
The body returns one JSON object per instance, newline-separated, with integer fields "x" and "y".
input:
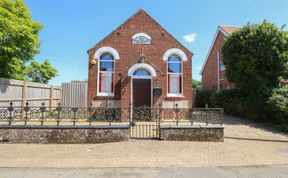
{"x": 228, "y": 29}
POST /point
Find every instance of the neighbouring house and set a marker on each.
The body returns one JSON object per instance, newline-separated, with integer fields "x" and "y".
{"x": 213, "y": 70}
{"x": 140, "y": 64}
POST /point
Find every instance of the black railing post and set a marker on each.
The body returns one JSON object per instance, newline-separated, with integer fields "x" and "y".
{"x": 58, "y": 109}
{"x": 42, "y": 110}
{"x": 10, "y": 109}
{"x": 191, "y": 116}
{"x": 90, "y": 114}
{"x": 207, "y": 110}
{"x": 177, "y": 113}
{"x": 74, "y": 110}
{"x": 159, "y": 110}
{"x": 26, "y": 110}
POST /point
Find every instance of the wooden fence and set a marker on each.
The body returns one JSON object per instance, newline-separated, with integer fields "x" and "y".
{"x": 20, "y": 92}
{"x": 74, "y": 94}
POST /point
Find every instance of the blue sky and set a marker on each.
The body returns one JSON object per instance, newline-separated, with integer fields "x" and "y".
{"x": 71, "y": 27}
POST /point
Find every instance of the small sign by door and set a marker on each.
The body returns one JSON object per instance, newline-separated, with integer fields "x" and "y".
{"x": 157, "y": 91}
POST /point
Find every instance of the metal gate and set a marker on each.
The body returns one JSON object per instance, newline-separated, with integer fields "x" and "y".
{"x": 144, "y": 123}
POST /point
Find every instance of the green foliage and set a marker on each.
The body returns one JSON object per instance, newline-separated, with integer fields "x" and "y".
{"x": 196, "y": 84}
{"x": 278, "y": 103}
{"x": 203, "y": 98}
{"x": 41, "y": 73}
{"x": 234, "y": 103}
{"x": 255, "y": 56}
{"x": 19, "y": 41}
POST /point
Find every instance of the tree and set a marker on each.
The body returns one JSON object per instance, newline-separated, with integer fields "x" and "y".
{"x": 19, "y": 39}
{"x": 196, "y": 84}
{"x": 255, "y": 56}
{"x": 41, "y": 73}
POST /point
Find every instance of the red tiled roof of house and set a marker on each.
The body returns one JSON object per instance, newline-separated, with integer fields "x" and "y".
{"x": 228, "y": 29}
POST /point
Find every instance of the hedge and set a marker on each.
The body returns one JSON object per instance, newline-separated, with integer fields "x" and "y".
{"x": 273, "y": 109}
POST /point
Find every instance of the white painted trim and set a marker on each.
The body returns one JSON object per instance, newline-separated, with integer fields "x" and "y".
{"x": 106, "y": 49}
{"x": 218, "y": 69}
{"x": 174, "y": 95}
{"x": 141, "y": 34}
{"x": 98, "y": 83}
{"x": 105, "y": 94}
{"x": 176, "y": 51}
{"x": 182, "y": 82}
{"x": 211, "y": 47}
{"x": 142, "y": 66}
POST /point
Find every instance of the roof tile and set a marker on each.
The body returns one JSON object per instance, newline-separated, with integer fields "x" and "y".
{"x": 228, "y": 29}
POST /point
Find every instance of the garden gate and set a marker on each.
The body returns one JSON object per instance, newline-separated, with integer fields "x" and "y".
{"x": 145, "y": 123}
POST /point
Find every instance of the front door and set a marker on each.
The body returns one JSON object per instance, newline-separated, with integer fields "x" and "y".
{"x": 141, "y": 92}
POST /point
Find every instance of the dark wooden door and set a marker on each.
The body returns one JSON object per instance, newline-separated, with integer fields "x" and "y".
{"x": 141, "y": 92}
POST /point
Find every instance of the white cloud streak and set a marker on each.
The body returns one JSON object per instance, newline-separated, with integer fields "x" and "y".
{"x": 190, "y": 38}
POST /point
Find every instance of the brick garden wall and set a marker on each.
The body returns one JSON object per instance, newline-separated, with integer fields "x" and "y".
{"x": 193, "y": 133}
{"x": 89, "y": 134}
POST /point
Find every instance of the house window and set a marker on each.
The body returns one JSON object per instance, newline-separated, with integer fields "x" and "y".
{"x": 106, "y": 75}
{"x": 222, "y": 67}
{"x": 174, "y": 76}
{"x": 141, "y": 72}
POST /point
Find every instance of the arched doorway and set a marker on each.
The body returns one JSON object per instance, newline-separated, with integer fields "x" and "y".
{"x": 141, "y": 81}
{"x": 141, "y": 84}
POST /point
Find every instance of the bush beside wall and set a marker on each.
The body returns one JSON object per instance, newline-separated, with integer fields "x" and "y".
{"x": 273, "y": 110}
{"x": 203, "y": 98}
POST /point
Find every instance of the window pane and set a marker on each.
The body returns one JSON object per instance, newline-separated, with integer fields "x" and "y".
{"x": 174, "y": 58}
{"x": 106, "y": 56}
{"x": 222, "y": 67}
{"x": 142, "y": 72}
{"x": 175, "y": 84}
{"x": 174, "y": 67}
{"x": 106, "y": 66}
{"x": 106, "y": 83}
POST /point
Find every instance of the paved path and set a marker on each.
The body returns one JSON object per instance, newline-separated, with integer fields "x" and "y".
{"x": 245, "y": 144}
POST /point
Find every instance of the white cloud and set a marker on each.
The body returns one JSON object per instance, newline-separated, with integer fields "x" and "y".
{"x": 190, "y": 38}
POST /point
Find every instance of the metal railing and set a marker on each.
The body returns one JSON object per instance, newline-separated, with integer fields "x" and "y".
{"x": 30, "y": 115}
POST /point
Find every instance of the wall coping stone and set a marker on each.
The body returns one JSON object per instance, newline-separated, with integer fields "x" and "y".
{"x": 66, "y": 127}
{"x": 192, "y": 127}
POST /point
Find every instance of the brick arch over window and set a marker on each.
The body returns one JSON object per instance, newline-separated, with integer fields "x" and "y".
{"x": 174, "y": 51}
{"x": 106, "y": 49}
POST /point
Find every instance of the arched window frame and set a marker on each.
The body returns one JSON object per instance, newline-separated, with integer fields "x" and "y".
{"x": 100, "y": 74}
{"x": 174, "y": 74}
{"x": 97, "y": 56}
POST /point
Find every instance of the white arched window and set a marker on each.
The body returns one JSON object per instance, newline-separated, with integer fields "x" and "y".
{"x": 174, "y": 76}
{"x": 106, "y": 68}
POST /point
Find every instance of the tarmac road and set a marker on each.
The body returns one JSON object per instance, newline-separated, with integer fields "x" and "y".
{"x": 271, "y": 171}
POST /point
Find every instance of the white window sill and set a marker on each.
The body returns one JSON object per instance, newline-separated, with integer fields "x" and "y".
{"x": 175, "y": 95}
{"x": 105, "y": 94}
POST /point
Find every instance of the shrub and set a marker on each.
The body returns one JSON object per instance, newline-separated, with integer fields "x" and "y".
{"x": 278, "y": 104}
{"x": 233, "y": 101}
{"x": 203, "y": 98}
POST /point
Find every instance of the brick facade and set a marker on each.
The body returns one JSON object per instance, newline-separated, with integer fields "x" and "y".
{"x": 210, "y": 68}
{"x": 121, "y": 40}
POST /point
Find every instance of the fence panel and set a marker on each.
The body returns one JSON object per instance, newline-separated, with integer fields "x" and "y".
{"x": 74, "y": 94}
{"x": 20, "y": 92}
